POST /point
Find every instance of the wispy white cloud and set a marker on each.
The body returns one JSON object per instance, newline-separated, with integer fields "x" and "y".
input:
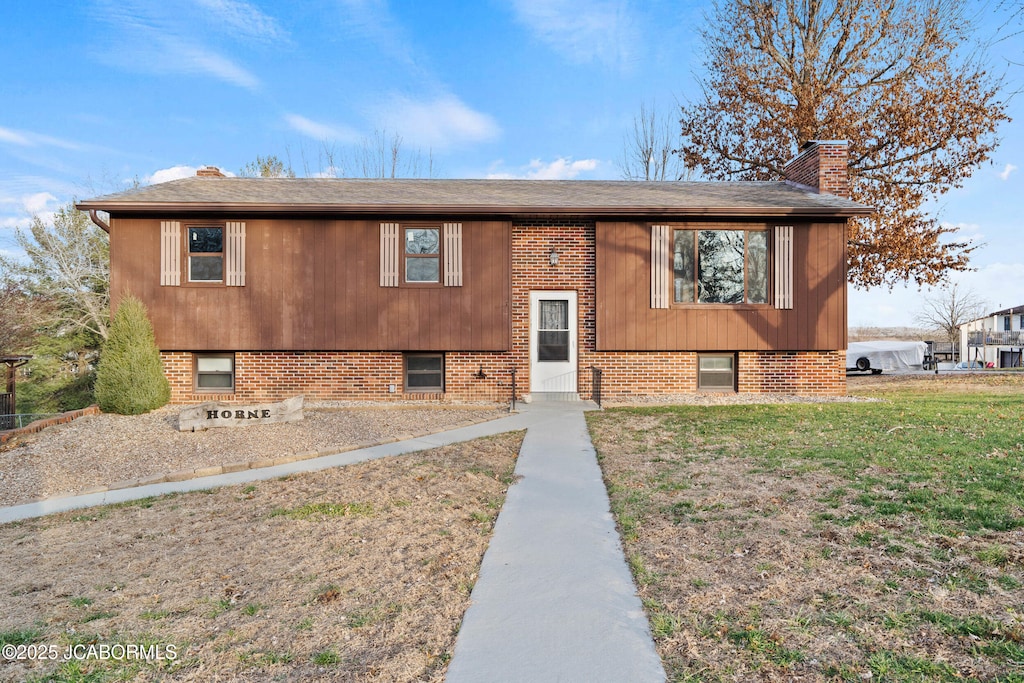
{"x": 243, "y": 19}
{"x": 164, "y": 175}
{"x": 1007, "y": 170}
{"x": 168, "y": 38}
{"x": 197, "y": 59}
{"x": 972, "y": 232}
{"x": 320, "y": 131}
{"x": 559, "y": 169}
{"x": 14, "y": 137}
{"x": 438, "y": 123}
{"x": 35, "y": 203}
{"x": 24, "y": 138}
{"x": 373, "y": 20}
{"x": 583, "y": 31}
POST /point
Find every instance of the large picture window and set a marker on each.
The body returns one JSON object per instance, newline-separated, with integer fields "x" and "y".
{"x": 720, "y": 266}
{"x": 205, "y": 254}
{"x": 423, "y": 255}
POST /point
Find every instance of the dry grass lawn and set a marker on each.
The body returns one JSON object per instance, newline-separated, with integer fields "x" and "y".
{"x": 360, "y": 573}
{"x": 840, "y": 542}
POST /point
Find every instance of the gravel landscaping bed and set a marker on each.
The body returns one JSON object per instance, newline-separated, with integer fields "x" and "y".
{"x": 102, "y": 449}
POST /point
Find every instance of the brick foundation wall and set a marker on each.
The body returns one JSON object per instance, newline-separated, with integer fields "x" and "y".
{"x": 342, "y": 375}
{"x": 804, "y": 373}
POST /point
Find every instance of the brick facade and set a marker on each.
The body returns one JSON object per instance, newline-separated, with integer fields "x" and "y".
{"x": 487, "y": 376}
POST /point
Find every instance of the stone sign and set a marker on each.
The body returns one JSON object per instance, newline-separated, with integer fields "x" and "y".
{"x": 214, "y": 414}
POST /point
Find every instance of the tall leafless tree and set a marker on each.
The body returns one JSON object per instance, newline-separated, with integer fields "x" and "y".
{"x": 650, "y": 149}
{"x": 948, "y": 308}
{"x": 381, "y": 156}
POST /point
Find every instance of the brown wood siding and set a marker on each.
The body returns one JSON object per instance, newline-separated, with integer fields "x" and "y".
{"x": 626, "y": 321}
{"x": 315, "y": 285}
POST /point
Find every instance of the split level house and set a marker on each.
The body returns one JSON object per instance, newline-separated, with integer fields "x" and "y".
{"x": 996, "y": 340}
{"x": 265, "y": 288}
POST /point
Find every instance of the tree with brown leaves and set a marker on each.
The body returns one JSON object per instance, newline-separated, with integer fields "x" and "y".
{"x": 888, "y": 76}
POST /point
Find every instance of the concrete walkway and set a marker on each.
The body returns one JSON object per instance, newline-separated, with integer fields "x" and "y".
{"x": 554, "y": 601}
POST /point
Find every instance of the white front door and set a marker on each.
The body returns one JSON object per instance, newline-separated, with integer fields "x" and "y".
{"x": 553, "y": 333}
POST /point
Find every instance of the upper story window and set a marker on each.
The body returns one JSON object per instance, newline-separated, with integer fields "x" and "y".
{"x": 422, "y": 255}
{"x": 205, "y": 254}
{"x": 212, "y": 254}
{"x": 720, "y": 266}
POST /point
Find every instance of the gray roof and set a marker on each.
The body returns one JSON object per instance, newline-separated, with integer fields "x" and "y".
{"x": 482, "y": 197}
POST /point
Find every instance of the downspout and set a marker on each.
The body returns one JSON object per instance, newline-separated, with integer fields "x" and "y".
{"x": 99, "y": 221}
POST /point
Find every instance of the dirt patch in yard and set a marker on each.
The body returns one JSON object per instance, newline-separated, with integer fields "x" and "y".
{"x": 358, "y": 573}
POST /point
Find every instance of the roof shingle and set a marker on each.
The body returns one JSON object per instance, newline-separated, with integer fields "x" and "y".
{"x": 589, "y": 197}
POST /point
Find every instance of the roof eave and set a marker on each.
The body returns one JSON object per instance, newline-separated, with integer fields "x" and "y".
{"x": 468, "y": 210}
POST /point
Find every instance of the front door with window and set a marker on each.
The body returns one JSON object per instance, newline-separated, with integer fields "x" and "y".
{"x": 553, "y": 333}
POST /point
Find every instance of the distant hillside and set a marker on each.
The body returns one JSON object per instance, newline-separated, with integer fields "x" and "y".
{"x": 857, "y": 334}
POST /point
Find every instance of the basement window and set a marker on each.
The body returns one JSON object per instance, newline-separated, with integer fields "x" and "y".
{"x": 716, "y": 372}
{"x": 215, "y": 372}
{"x": 424, "y": 373}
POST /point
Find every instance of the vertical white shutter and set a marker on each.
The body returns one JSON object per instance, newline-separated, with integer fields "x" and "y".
{"x": 453, "y": 254}
{"x": 659, "y": 266}
{"x": 234, "y": 254}
{"x": 783, "y": 266}
{"x": 170, "y": 253}
{"x": 389, "y": 254}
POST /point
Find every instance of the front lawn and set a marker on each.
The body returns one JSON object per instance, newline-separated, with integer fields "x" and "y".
{"x": 354, "y": 573}
{"x": 835, "y": 541}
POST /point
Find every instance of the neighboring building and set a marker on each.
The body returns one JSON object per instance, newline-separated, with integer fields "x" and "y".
{"x": 996, "y": 339}
{"x": 263, "y": 288}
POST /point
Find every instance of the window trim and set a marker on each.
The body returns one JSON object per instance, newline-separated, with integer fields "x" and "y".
{"x": 213, "y": 390}
{"x": 405, "y": 373}
{"x": 769, "y": 260}
{"x": 404, "y": 255}
{"x": 734, "y": 371}
{"x": 222, "y": 254}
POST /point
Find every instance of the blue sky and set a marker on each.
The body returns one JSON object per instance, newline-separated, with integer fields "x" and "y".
{"x": 96, "y": 93}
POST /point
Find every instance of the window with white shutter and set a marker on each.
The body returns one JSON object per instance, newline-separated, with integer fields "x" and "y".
{"x": 421, "y": 255}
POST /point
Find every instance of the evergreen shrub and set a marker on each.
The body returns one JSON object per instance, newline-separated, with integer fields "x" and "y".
{"x": 130, "y": 377}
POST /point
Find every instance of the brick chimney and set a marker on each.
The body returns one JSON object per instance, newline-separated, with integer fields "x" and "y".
{"x": 209, "y": 172}
{"x": 821, "y": 165}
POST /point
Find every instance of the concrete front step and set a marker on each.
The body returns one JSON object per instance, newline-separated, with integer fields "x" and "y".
{"x": 544, "y": 396}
